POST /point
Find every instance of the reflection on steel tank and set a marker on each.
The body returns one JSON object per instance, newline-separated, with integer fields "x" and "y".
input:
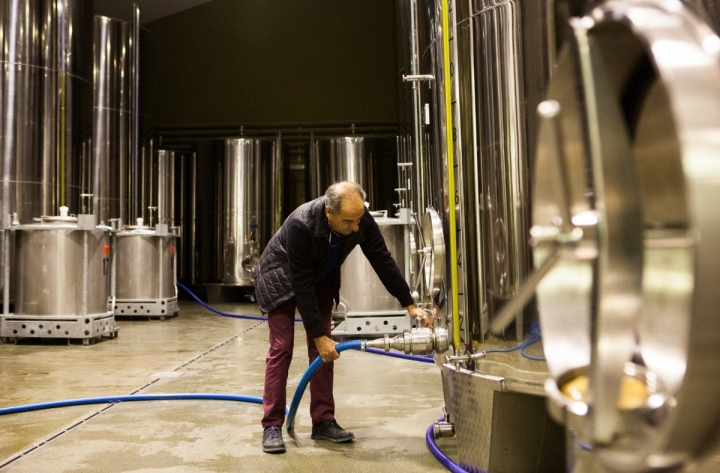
{"x": 708, "y": 11}
{"x": 54, "y": 259}
{"x": 112, "y": 120}
{"x": 63, "y": 281}
{"x": 46, "y": 86}
{"x": 362, "y": 293}
{"x": 342, "y": 158}
{"x": 251, "y": 197}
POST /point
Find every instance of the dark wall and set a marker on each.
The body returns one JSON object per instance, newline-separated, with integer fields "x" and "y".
{"x": 307, "y": 69}
{"x": 259, "y": 61}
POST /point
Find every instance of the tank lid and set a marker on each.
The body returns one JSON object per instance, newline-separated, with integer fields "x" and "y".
{"x": 140, "y": 225}
{"x": 138, "y": 228}
{"x": 62, "y": 218}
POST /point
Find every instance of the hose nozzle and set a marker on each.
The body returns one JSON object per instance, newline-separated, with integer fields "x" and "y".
{"x": 415, "y": 341}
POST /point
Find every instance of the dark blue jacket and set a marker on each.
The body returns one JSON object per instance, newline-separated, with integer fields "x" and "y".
{"x": 300, "y": 250}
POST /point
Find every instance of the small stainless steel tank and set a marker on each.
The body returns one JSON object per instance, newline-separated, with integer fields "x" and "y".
{"x": 145, "y": 268}
{"x": 63, "y": 274}
{"x": 364, "y": 302}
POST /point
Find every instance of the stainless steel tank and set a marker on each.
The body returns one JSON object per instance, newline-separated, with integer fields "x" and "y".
{"x": 63, "y": 276}
{"x": 511, "y": 71}
{"x": 145, "y": 259}
{"x": 45, "y": 92}
{"x": 495, "y": 65}
{"x": 342, "y": 158}
{"x": 187, "y": 207}
{"x": 251, "y": 196}
{"x": 365, "y": 304}
{"x": 112, "y": 119}
{"x": 146, "y": 272}
{"x": 500, "y": 58}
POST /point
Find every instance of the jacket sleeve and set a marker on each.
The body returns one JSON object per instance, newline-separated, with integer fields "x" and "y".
{"x": 302, "y": 277}
{"x": 381, "y": 260}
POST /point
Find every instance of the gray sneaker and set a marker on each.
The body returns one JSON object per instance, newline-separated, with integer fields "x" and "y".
{"x": 330, "y": 430}
{"x": 272, "y": 440}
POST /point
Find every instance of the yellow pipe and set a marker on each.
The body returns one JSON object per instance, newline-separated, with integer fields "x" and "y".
{"x": 451, "y": 173}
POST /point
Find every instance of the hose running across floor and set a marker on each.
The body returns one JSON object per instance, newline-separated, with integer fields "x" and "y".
{"x": 130, "y": 398}
{"x": 224, "y": 314}
{"x": 291, "y": 411}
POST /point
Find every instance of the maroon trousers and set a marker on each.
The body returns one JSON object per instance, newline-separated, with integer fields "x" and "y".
{"x": 281, "y": 321}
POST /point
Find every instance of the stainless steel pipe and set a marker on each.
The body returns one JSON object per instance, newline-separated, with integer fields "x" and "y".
{"x": 111, "y": 120}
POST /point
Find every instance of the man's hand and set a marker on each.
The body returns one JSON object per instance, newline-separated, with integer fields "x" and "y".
{"x": 326, "y": 348}
{"x": 419, "y": 314}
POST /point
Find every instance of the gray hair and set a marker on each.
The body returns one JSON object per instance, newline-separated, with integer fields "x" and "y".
{"x": 339, "y": 191}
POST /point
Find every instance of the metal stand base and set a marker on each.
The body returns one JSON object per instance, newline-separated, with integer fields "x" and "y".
{"x": 153, "y": 309}
{"x": 499, "y": 403}
{"x": 372, "y": 324}
{"x": 71, "y": 327}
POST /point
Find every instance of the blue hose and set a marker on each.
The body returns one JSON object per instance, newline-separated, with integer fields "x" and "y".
{"x": 309, "y": 373}
{"x": 534, "y": 337}
{"x": 130, "y": 398}
{"x": 314, "y": 366}
{"x": 440, "y": 455}
{"x": 224, "y": 314}
{"x": 424, "y": 359}
{"x": 312, "y": 369}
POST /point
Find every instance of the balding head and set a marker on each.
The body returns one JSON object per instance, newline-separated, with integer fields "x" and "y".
{"x": 343, "y": 191}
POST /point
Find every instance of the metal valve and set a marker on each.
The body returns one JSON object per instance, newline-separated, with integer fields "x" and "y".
{"x": 415, "y": 341}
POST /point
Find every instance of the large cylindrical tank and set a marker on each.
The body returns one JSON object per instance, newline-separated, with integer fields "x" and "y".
{"x": 44, "y": 108}
{"x": 111, "y": 119}
{"x": 342, "y": 158}
{"x": 511, "y": 71}
{"x": 61, "y": 270}
{"x": 251, "y": 196}
{"x": 500, "y": 65}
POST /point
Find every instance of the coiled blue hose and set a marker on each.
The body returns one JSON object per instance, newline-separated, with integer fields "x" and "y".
{"x": 534, "y": 337}
{"x": 314, "y": 366}
{"x": 130, "y": 398}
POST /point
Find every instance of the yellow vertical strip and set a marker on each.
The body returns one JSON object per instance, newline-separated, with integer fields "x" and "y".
{"x": 451, "y": 172}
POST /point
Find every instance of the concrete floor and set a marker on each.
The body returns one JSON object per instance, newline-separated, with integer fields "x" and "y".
{"x": 387, "y": 402}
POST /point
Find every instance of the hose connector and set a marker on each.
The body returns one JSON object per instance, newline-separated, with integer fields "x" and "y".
{"x": 416, "y": 341}
{"x": 443, "y": 429}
